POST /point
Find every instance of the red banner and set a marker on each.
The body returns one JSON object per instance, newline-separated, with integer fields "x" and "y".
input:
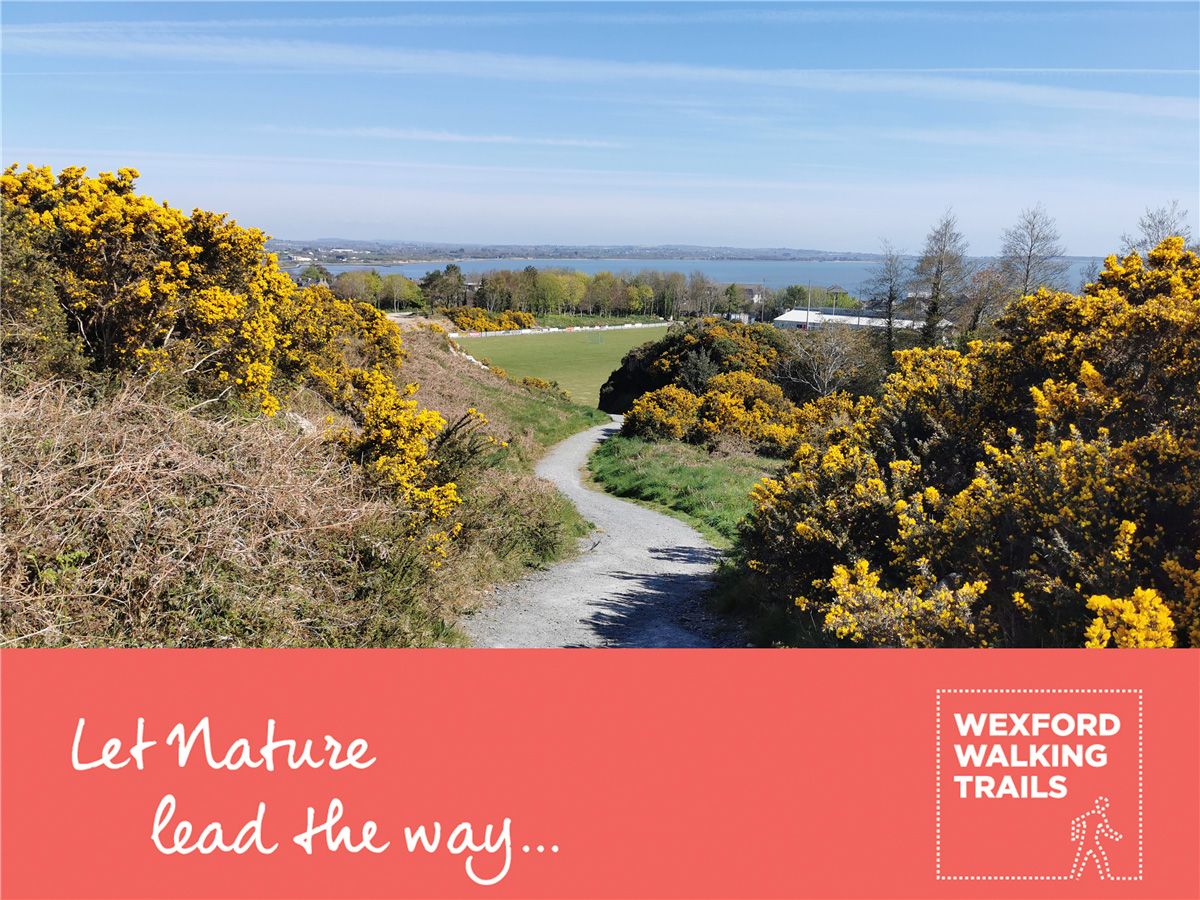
{"x": 892, "y": 774}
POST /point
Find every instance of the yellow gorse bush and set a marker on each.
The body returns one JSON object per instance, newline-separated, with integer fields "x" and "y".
{"x": 736, "y": 405}
{"x": 1141, "y": 621}
{"x": 741, "y": 404}
{"x": 689, "y": 355}
{"x": 862, "y": 611}
{"x": 1004, "y": 495}
{"x": 668, "y": 413}
{"x": 151, "y": 292}
{"x": 393, "y": 439}
{"x": 742, "y": 348}
{"x": 470, "y": 318}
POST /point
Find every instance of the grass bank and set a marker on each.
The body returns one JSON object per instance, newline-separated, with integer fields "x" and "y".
{"x": 579, "y": 361}
{"x": 136, "y": 519}
{"x": 711, "y": 492}
{"x": 530, "y": 420}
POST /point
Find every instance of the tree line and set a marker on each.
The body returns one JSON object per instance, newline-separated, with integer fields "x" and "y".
{"x": 547, "y": 291}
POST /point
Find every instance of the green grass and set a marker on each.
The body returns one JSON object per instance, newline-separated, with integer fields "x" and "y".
{"x": 579, "y": 365}
{"x": 533, "y": 419}
{"x": 545, "y": 420}
{"x": 710, "y": 492}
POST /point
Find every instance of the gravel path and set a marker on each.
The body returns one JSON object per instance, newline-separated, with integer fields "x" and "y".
{"x": 638, "y": 583}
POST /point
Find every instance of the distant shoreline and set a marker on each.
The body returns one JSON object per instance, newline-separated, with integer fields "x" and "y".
{"x": 287, "y": 266}
{"x": 533, "y": 259}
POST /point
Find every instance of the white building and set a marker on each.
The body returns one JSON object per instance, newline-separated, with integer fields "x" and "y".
{"x": 815, "y": 318}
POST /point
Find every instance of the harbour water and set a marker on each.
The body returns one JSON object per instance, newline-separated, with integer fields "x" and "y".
{"x": 771, "y": 273}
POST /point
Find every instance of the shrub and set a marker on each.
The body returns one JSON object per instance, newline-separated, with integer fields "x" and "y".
{"x": 1004, "y": 495}
{"x": 471, "y": 318}
{"x": 197, "y": 300}
{"x": 150, "y": 290}
{"x": 669, "y": 413}
{"x": 690, "y": 353}
{"x": 34, "y": 329}
{"x": 739, "y": 404}
{"x": 540, "y": 384}
{"x": 736, "y": 407}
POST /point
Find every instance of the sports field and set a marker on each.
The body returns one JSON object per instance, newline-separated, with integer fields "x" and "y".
{"x": 579, "y": 361}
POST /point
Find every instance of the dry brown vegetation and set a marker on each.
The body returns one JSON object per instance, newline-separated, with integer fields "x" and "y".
{"x": 131, "y": 521}
{"x": 200, "y": 453}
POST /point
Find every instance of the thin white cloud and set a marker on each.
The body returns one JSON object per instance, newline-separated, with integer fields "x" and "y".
{"x": 314, "y": 56}
{"x": 450, "y": 137}
{"x": 1035, "y": 70}
{"x": 165, "y": 26}
{"x": 1134, "y": 145}
{"x": 583, "y": 177}
{"x": 614, "y": 16}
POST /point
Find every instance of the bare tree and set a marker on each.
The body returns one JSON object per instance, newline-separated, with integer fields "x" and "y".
{"x": 702, "y": 293}
{"x": 1090, "y": 274}
{"x": 1157, "y": 225}
{"x": 886, "y": 286}
{"x": 1031, "y": 255}
{"x": 823, "y": 360}
{"x": 987, "y": 294}
{"x": 942, "y": 270}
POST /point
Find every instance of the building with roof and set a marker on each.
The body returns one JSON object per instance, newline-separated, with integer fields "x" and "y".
{"x": 827, "y": 315}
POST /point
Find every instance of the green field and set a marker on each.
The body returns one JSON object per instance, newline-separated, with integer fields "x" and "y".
{"x": 576, "y": 360}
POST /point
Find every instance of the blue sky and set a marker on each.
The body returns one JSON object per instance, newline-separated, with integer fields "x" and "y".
{"x": 820, "y": 125}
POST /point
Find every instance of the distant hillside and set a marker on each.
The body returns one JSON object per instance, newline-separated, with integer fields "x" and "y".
{"x": 340, "y": 250}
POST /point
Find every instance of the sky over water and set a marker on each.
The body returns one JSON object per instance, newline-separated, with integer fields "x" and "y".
{"x": 824, "y": 126}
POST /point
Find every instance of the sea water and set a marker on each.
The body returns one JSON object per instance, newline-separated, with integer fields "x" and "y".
{"x": 771, "y": 273}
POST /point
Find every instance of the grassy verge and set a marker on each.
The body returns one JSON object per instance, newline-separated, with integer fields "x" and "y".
{"x": 531, "y": 420}
{"x": 711, "y": 492}
{"x": 708, "y": 491}
{"x": 580, "y": 362}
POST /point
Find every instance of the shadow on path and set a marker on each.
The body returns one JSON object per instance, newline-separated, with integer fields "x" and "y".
{"x": 640, "y": 581}
{"x": 660, "y": 610}
{"x": 695, "y": 556}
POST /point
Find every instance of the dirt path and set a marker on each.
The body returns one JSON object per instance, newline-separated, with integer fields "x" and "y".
{"x": 638, "y": 582}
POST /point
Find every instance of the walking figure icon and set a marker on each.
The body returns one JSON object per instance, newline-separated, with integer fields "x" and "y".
{"x": 1087, "y": 830}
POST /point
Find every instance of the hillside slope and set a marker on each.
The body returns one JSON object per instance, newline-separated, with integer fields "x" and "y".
{"x": 131, "y": 521}
{"x": 198, "y": 453}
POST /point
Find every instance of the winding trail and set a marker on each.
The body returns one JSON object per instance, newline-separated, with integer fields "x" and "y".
{"x": 638, "y": 583}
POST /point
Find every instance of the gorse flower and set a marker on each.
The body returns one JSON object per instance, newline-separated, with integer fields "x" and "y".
{"x": 151, "y": 292}
{"x": 1006, "y": 495}
{"x": 475, "y": 319}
